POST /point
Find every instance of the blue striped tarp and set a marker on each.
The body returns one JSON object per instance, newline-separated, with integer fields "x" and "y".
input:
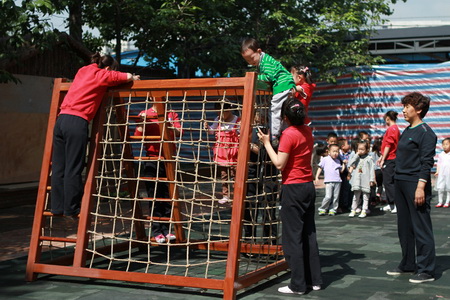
{"x": 352, "y": 105}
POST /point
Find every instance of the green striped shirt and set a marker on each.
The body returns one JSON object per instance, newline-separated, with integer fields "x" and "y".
{"x": 273, "y": 71}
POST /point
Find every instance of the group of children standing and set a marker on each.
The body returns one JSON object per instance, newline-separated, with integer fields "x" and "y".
{"x": 357, "y": 171}
{"x": 365, "y": 171}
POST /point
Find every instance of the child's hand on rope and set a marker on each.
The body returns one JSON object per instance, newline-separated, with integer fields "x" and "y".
{"x": 205, "y": 124}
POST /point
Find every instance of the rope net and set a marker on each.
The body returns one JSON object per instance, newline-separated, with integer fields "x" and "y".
{"x": 165, "y": 185}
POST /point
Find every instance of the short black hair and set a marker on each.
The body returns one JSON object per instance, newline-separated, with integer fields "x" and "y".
{"x": 332, "y": 134}
{"x": 418, "y": 101}
{"x": 333, "y": 145}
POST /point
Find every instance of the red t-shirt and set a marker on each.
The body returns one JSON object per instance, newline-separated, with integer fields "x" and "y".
{"x": 298, "y": 142}
{"x": 152, "y": 129}
{"x": 87, "y": 90}
{"x": 309, "y": 90}
{"x": 390, "y": 140}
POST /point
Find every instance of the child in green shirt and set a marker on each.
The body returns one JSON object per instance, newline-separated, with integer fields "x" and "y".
{"x": 274, "y": 72}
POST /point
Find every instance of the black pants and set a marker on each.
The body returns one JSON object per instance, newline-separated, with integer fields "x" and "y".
{"x": 415, "y": 230}
{"x": 70, "y": 138}
{"x": 388, "y": 180}
{"x": 158, "y": 190}
{"x": 345, "y": 193}
{"x": 299, "y": 235}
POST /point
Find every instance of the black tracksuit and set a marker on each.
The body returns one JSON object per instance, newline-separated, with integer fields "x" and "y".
{"x": 415, "y": 158}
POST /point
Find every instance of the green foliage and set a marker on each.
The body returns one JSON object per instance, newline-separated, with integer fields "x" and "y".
{"x": 328, "y": 35}
{"x": 23, "y": 26}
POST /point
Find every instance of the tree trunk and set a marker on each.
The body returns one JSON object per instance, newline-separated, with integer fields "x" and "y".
{"x": 75, "y": 20}
{"x": 118, "y": 29}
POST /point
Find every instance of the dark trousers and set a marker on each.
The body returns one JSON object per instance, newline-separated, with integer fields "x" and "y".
{"x": 70, "y": 138}
{"x": 299, "y": 235}
{"x": 345, "y": 194}
{"x": 388, "y": 180}
{"x": 415, "y": 231}
{"x": 158, "y": 190}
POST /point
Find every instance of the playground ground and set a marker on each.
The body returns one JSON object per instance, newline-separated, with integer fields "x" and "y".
{"x": 355, "y": 254}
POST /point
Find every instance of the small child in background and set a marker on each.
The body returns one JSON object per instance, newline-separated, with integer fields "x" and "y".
{"x": 365, "y": 136}
{"x": 332, "y": 168}
{"x": 320, "y": 150}
{"x": 226, "y": 129}
{"x": 304, "y": 87}
{"x": 375, "y": 191}
{"x": 274, "y": 72}
{"x": 362, "y": 177}
{"x": 443, "y": 174}
{"x": 332, "y": 139}
{"x": 353, "y": 147}
{"x": 345, "y": 195}
{"x": 153, "y": 168}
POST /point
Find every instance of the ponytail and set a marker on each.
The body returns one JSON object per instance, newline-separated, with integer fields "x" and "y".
{"x": 294, "y": 110}
{"x": 392, "y": 115}
{"x": 104, "y": 61}
{"x": 300, "y": 69}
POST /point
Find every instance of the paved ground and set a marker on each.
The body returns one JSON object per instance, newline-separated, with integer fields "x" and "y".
{"x": 355, "y": 254}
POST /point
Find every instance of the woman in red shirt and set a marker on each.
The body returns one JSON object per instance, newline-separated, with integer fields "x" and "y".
{"x": 387, "y": 159}
{"x": 70, "y": 134}
{"x": 297, "y": 199}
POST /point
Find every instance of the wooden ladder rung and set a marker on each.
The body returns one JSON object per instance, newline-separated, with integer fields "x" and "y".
{"x": 145, "y": 137}
{"x": 57, "y": 239}
{"x": 50, "y": 214}
{"x": 148, "y": 158}
{"x": 158, "y": 218}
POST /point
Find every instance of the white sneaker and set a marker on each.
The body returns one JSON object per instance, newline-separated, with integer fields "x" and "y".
{"x": 362, "y": 215}
{"x": 224, "y": 200}
{"x": 386, "y": 208}
{"x": 314, "y": 287}
{"x": 394, "y": 211}
{"x": 352, "y": 214}
{"x": 171, "y": 237}
{"x": 287, "y": 290}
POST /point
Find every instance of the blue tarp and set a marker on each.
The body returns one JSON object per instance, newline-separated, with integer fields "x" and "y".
{"x": 352, "y": 105}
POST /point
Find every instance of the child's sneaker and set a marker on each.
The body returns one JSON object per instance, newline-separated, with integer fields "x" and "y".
{"x": 352, "y": 214}
{"x": 224, "y": 200}
{"x": 322, "y": 212}
{"x": 394, "y": 211}
{"x": 439, "y": 205}
{"x": 160, "y": 239}
{"x": 363, "y": 214}
{"x": 171, "y": 237}
{"x": 446, "y": 205}
{"x": 331, "y": 213}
